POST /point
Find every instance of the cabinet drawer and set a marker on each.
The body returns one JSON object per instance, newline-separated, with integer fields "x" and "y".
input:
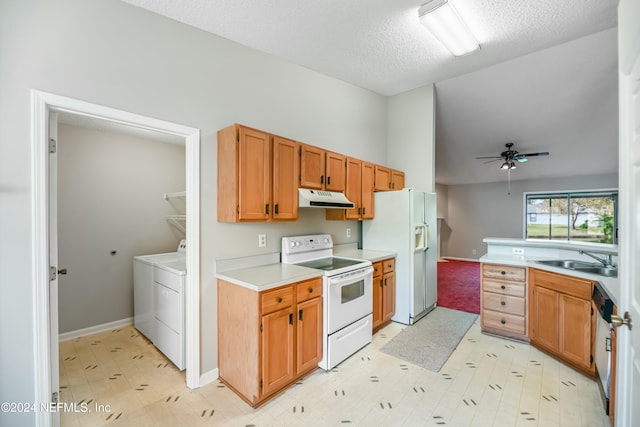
{"x": 503, "y": 272}
{"x": 503, "y": 321}
{"x": 503, "y": 303}
{"x": 388, "y": 265}
{"x": 309, "y": 289}
{"x": 503, "y": 287}
{"x": 276, "y": 299}
{"x": 377, "y": 268}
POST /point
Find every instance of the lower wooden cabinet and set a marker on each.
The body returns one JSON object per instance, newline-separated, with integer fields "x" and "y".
{"x": 268, "y": 340}
{"x": 384, "y": 292}
{"x": 503, "y": 308}
{"x": 562, "y": 318}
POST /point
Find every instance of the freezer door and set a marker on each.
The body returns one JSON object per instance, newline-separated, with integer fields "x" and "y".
{"x": 419, "y": 295}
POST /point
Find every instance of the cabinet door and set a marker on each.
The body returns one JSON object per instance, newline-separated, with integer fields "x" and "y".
{"x": 544, "y": 318}
{"x": 309, "y": 334}
{"x": 389, "y": 298}
{"x": 312, "y": 166}
{"x": 378, "y": 295}
{"x": 353, "y": 190}
{"x": 574, "y": 342}
{"x": 367, "y": 184}
{"x": 285, "y": 179}
{"x": 397, "y": 180}
{"x": 335, "y": 172}
{"x": 254, "y": 171}
{"x": 277, "y": 350}
{"x": 382, "y": 178}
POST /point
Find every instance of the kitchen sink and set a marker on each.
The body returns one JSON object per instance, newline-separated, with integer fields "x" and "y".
{"x": 568, "y": 263}
{"x": 602, "y": 271}
{"x": 584, "y": 267}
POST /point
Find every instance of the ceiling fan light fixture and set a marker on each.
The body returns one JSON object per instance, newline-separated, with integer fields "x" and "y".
{"x": 512, "y": 165}
{"x": 505, "y": 166}
{"x": 441, "y": 18}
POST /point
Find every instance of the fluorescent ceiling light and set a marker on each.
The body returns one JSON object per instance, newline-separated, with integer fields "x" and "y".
{"x": 445, "y": 24}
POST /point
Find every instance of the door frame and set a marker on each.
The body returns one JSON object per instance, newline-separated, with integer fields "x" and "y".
{"x": 42, "y": 103}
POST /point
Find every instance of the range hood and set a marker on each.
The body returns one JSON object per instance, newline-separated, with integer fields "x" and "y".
{"x": 323, "y": 199}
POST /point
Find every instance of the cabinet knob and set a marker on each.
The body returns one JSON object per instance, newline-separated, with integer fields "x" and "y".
{"x": 503, "y": 287}
{"x": 279, "y": 299}
{"x": 503, "y": 272}
{"x": 310, "y": 290}
{"x": 503, "y": 303}
{"x": 503, "y": 321}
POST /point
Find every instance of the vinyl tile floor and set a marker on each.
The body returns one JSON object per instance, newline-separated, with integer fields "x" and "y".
{"x": 118, "y": 378}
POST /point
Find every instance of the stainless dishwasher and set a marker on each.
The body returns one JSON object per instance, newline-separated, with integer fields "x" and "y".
{"x": 604, "y": 305}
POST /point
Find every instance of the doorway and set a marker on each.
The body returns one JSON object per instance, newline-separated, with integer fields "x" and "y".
{"x": 44, "y": 107}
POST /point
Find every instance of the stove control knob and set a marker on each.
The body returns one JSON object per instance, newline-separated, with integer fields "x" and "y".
{"x": 292, "y": 244}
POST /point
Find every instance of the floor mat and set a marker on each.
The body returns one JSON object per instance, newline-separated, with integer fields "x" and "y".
{"x": 429, "y": 342}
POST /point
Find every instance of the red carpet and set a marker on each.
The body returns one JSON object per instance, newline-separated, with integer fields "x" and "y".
{"x": 459, "y": 285}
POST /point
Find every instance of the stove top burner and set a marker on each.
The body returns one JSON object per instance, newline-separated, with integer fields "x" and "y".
{"x": 330, "y": 263}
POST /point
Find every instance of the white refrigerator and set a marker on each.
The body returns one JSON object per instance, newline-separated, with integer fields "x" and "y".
{"x": 405, "y": 222}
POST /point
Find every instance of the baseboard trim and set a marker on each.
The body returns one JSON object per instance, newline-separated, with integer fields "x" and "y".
{"x": 209, "y": 377}
{"x": 95, "y": 329}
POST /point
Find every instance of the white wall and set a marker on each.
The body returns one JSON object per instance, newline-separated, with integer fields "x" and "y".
{"x": 412, "y": 137}
{"x": 110, "y": 198}
{"x": 110, "y": 53}
{"x": 476, "y": 211}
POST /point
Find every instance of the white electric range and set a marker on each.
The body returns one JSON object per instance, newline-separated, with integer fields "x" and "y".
{"x": 347, "y": 289}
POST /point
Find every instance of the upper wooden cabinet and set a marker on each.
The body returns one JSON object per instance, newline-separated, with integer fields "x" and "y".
{"x": 359, "y": 189}
{"x": 387, "y": 179}
{"x": 397, "y": 180}
{"x": 285, "y": 179}
{"x": 321, "y": 169}
{"x": 257, "y": 176}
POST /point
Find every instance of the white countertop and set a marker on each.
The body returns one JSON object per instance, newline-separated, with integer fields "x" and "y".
{"x": 269, "y": 276}
{"x": 373, "y": 256}
{"x": 610, "y": 284}
{"x": 553, "y": 244}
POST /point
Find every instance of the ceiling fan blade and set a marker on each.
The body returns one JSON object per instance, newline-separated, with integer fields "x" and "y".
{"x": 542, "y": 153}
{"x": 489, "y": 157}
{"x": 494, "y": 160}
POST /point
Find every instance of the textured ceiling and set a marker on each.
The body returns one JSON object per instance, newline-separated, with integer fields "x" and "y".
{"x": 545, "y": 77}
{"x": 380, "y": 44}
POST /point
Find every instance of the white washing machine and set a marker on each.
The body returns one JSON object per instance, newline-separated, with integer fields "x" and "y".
{"x": 158, "y": 300}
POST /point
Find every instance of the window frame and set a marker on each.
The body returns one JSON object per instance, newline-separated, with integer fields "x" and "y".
{"x": 569, "y": 194}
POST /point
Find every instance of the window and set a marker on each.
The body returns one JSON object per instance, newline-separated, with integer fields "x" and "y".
{"x": 575, "y": 216}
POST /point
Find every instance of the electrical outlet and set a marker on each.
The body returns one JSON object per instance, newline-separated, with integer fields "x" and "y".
{"x": 517, "y": 251}
{"x": 348, "y": 232}
{"x": 262, "y": 240}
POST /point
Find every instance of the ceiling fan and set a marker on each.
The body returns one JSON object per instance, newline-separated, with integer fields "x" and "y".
{"x": 510, "y": 156}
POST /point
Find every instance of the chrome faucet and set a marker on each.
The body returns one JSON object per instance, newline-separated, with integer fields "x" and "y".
{"x": 607, "y": 261}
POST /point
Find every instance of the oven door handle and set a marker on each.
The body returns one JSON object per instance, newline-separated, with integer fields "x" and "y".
{"x": 341, "y": 279}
